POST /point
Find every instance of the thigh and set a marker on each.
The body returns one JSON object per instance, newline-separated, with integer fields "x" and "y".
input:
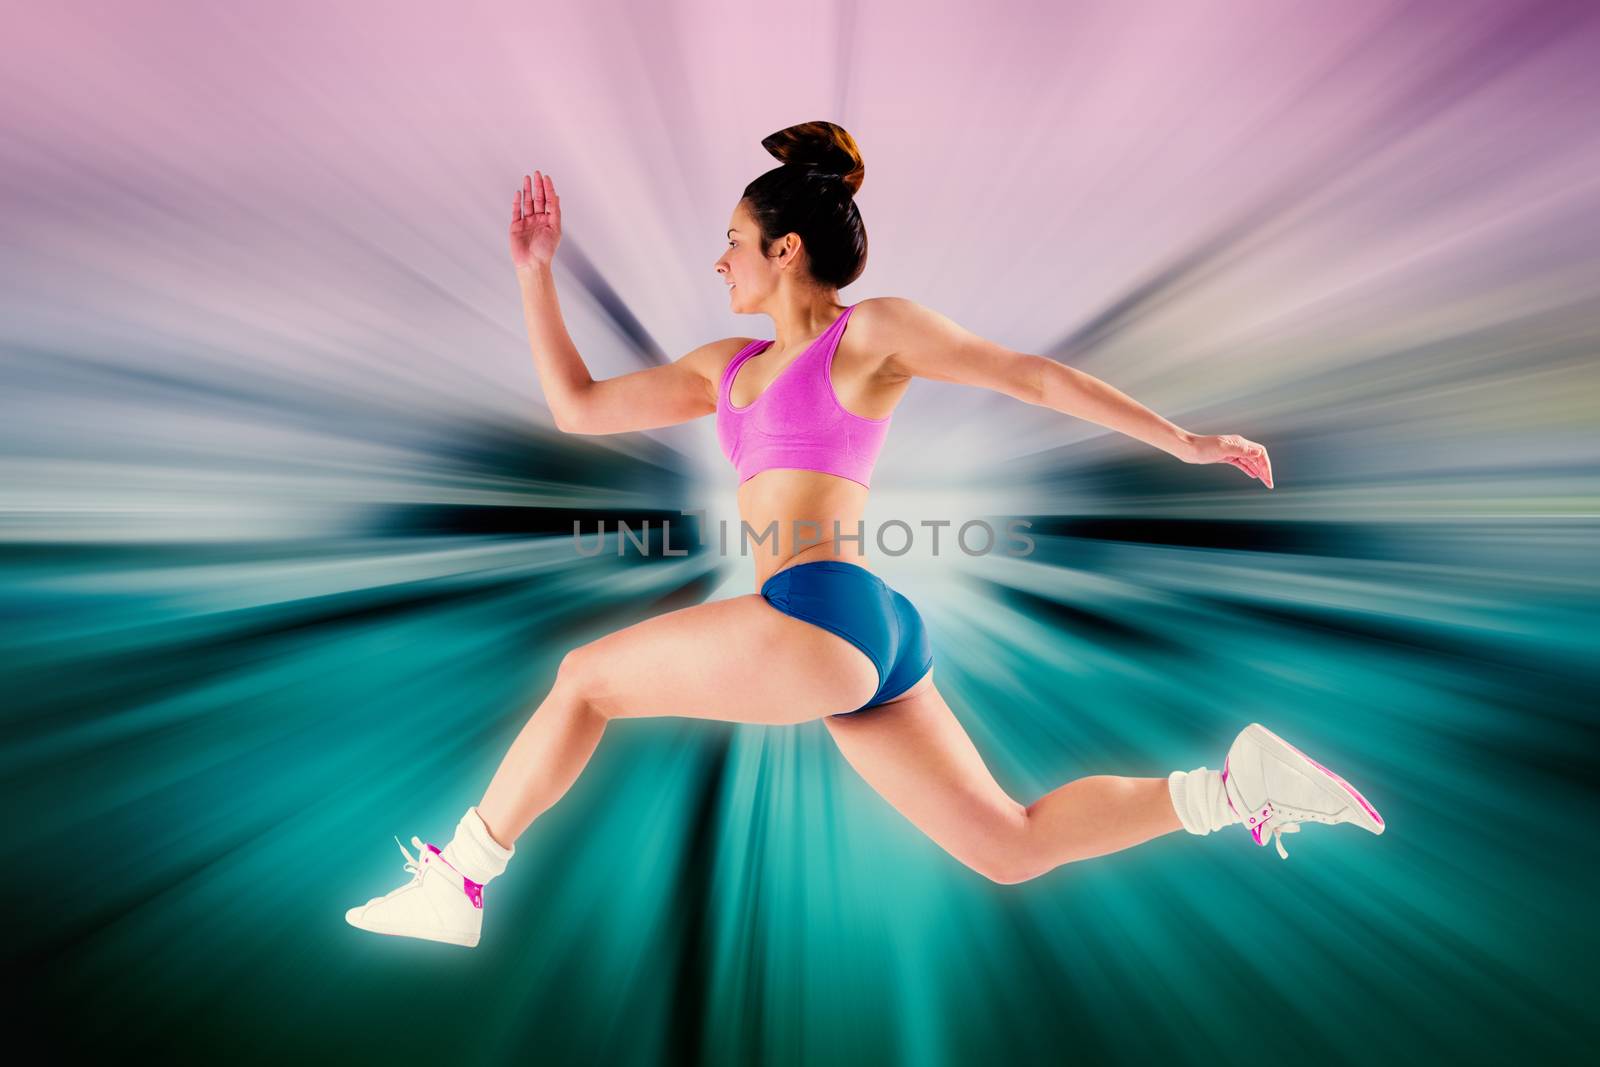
{"x": 738, "y": 659}
{"x": 914, "y": 752}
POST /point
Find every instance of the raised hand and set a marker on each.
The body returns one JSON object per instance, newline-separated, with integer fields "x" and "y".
{"x": 1239, "y": 451}
{"x": 535, "y": 222}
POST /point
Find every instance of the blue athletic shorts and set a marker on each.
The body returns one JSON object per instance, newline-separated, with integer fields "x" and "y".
{"x": 860, "y": 607}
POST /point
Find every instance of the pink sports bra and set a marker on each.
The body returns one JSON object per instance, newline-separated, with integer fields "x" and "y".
{"x": 798, "y": 422}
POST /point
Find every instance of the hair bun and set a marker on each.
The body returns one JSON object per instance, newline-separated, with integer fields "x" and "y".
{"x": 830, "y": 173}
{"x": 812, "y": 196}
{"x": 822, "y": 148}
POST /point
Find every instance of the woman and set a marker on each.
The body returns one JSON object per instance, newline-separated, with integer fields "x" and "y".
{"x": 802, "y": 418}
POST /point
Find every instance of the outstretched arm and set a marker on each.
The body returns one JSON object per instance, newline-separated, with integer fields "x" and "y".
{"x": 647, "y": 399}
{"x": 643, "y": 400}
{"x": 926, "y": 344}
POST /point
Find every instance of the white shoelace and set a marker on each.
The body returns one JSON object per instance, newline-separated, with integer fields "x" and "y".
{"x": 416, "y": 866}
{"x": 1277, "y": 833}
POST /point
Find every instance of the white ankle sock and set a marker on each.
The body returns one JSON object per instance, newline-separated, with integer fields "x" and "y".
{"x": 473, "y": 852}
{"x": 1200, "y": 800}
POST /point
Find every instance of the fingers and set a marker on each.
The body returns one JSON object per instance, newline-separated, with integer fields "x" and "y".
{"x": 1259, "y": 464}
{"x": 1250, "y": 467}
{"x": 1249, "y": 457}
{"x": 537, "y": 198}
{"x": 552, "y": 201}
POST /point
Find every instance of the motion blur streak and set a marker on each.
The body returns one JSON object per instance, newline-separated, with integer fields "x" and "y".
{"x": 285, "y": 524}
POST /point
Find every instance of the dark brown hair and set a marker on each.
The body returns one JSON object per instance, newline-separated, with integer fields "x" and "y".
{"x": 813, "y": 195}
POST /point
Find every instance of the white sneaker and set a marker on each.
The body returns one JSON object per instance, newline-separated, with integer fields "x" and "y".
{"x": 1273, "y": 787}
{"x": 438, "y": 904}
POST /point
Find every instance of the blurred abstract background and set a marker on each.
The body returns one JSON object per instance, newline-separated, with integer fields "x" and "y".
{"x": 286, "y": 553}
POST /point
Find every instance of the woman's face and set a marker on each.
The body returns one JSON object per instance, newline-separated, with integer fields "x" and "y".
{"x": 742, "y": 266}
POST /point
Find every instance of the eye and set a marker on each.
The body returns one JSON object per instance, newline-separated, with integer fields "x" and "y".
{"x": 730, "y": 244}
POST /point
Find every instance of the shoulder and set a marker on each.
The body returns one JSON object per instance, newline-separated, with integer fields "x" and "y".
{"x": 710, "y": 361}
{"x": 889, "y": 326}
{"x": 889, "y": 317}
{"x": 713, "y": 357}
{"x": 916, "y": 341}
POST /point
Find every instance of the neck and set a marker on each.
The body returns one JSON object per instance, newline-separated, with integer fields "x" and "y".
{"x": 800, "y": 318}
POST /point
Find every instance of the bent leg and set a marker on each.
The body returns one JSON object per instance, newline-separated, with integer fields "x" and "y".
{"x": 738, "y": 660}
{"x": 913, "y": 751}
{"x": 916, "y": 755}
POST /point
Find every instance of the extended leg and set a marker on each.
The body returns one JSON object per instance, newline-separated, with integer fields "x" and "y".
{"x": 737, "y": 660}
{"x": 914, "y": 752}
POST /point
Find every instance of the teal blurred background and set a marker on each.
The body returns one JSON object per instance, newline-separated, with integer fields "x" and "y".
{"x": 286, "y": 556}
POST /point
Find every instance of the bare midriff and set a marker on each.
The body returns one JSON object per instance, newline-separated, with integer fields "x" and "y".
{"x": 800, "y": 507}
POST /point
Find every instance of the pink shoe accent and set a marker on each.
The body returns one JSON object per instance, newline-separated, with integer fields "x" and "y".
{"x": 474, "y": 890}
{"x": 1254, "y": 823}
{"x": 1258, "y": 823}
{"x": 1352, "y": 790}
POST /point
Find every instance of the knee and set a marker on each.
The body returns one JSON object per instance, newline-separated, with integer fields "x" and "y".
{"x": 576, "y": 676}
{"x": 1009, "y": 857}
{"x": 1007, "y": 870}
